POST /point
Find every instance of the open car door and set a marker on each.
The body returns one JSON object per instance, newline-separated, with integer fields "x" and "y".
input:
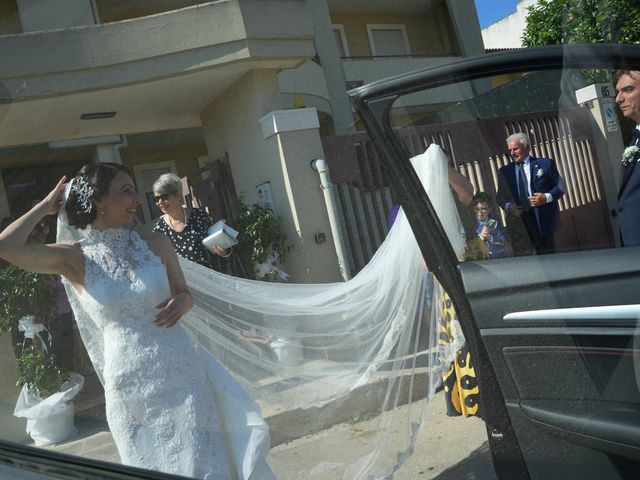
{"x": 554, "y": 336}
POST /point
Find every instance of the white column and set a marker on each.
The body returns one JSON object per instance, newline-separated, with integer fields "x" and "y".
{"x": 464, "y": 18}
{"x": 466, "y": 25}
{"x": 107, "y": 153}
{"x": 106, "y": 148}
{"x": 332, "y": 67}
{"x": 294, "y": 136}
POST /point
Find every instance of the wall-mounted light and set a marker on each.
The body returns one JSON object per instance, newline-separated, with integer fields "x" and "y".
{"x": 97, "y": 115}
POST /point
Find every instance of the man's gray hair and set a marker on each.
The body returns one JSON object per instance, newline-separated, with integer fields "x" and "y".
{"x": 519, "y": 137}
{"x": 631, "y": 73}
{"x": 168, "y": 183}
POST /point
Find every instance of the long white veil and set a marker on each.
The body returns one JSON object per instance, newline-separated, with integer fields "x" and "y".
{"x": 314, "y": 356}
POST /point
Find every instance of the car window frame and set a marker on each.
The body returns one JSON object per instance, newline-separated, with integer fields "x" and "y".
{"x": 374, "y": 103}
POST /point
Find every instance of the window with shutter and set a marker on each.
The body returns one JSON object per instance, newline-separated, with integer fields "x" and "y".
{"x": 388, "y": 40}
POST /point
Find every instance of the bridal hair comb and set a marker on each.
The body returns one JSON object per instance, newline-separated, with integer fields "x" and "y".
{"x": 83, "y": 191}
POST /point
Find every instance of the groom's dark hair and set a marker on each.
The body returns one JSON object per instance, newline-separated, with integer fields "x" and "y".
{"x": 97, "y": 177}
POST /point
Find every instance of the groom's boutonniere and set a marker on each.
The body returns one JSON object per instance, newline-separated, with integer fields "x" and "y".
{"x": 629, "y": 154}
{"x": 539, "y": 172}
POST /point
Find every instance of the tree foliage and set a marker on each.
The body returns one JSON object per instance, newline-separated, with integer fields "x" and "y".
{"x": 555, "y": 22}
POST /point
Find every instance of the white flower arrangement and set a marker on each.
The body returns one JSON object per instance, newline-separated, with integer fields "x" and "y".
{"x": 629, "y": 154}
{"x": 539, "y": 172}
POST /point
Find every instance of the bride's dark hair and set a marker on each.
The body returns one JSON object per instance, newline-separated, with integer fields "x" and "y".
{"x": 97, "y": 177}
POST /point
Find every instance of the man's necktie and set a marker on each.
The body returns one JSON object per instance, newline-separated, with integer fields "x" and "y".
{"x": 635, "y": 137}
{"x": 523, "y": 192}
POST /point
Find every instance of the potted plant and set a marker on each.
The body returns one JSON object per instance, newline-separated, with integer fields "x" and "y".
{"x": 262, "y": 244}
{"x": 45, "y": 398}
{"x": 27, "y": 300}
{"x": 39, "y": 372}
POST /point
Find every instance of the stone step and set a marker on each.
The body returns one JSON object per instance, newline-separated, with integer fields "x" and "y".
{"x": 286, "y": 423}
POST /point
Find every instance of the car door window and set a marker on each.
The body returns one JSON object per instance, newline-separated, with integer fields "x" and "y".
{"x": 556, "y": 329}
{"x": 574, "y": 155}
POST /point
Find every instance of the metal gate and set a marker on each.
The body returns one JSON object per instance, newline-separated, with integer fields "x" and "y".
{"x": 477, "y": 149}
{"x": 211, "y": 188}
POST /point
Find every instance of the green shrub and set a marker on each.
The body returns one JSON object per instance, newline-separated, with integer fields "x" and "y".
{"x": 260, "y": 235}
{"x": 24, "y": 293}
{"x": 40, "y": 372}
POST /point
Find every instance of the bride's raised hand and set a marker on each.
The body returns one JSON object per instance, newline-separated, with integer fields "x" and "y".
{"x": 53, "y": 200}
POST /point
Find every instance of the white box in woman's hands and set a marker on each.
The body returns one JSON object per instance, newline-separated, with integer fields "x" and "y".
{"x": 221, "y": 235}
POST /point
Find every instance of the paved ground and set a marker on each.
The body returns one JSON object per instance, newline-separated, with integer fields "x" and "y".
{"x": 448, "y": 448}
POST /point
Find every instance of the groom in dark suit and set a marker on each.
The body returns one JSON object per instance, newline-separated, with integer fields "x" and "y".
{"x": 628, "y": 99}
{"x": 528, "y": 191}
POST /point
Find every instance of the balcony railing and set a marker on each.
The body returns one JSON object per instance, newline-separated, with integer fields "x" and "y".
{"x": 371, "y": 68}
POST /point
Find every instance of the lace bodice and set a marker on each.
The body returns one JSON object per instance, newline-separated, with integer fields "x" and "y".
{"x": 161, "y": 393}
{"x": 123, "y": 277}
{"x": 119, "y": 251}
{"x": 157, "y": 391}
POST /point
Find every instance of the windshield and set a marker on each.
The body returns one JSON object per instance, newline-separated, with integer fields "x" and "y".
{"x": 240, "y": 239}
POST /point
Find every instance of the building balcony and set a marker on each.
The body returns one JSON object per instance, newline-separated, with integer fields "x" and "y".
{"x": 363, "y": 70}
{"x": 147, "y": 73}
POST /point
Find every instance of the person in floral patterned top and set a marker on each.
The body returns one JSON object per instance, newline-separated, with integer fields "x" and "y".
{"x": 186, "y": 227}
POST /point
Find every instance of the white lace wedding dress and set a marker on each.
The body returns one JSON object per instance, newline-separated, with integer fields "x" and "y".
{"x": 169, "y": 406}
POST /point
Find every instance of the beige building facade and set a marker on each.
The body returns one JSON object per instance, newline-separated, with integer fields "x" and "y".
{"x": 170, "y": 85}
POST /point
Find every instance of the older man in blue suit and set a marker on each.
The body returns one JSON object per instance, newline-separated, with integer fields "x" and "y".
{"x": 628, "y": 99}
{"x": 528, "y": 191}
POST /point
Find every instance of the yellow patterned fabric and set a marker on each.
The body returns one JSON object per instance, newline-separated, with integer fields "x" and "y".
{"x": 476, "y": 249}
{"x": 460, "y": 384}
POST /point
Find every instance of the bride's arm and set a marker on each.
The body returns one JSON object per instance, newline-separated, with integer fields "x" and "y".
{"x": 34, "y": 257}
{"x": 461, "y": 185}
{"x": 180, "y": 302}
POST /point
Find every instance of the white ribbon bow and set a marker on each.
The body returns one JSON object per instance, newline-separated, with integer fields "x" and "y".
{"x": 262, "y": 269}
{"x": 32, "y": 329}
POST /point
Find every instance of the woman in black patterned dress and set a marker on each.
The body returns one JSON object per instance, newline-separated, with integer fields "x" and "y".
{"x": 186, "y": 227}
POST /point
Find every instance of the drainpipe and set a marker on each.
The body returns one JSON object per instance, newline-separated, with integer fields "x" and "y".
{"x": 320, "y": 166}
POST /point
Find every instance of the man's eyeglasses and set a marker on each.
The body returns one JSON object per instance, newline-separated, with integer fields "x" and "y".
{"x": 481, "y": 209}
{"x": 162, "y": 197}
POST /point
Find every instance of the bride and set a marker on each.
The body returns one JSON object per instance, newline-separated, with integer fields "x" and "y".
{"x": 328, "y": 343}
{"x": 127, "y": 290}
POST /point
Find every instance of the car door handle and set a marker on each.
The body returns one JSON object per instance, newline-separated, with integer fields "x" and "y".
{"x": 626, "y": 314}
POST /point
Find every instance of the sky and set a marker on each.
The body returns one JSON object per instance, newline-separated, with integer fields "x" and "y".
{"x": 491, "y": 10}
